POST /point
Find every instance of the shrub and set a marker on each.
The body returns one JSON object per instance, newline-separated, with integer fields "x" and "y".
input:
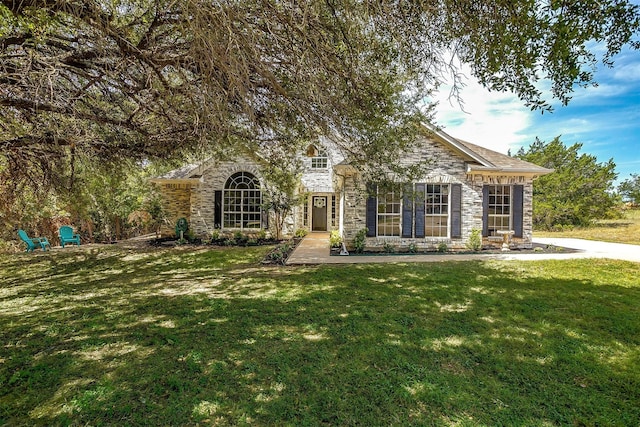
{"x": 280, "y": 253}
{"x": 359, "y": 240}
{"x": 335, "y": 239}
{"x": 443, "y": 247}
{"x": 474, "y": 242}
{"x": 389, "y": 248}
{"x": 240, "y": 238}
{"x": 301, "y": 232}
{"x": 413, "y": 248}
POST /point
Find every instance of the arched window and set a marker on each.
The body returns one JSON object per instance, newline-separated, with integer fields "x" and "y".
{"x": 242, "y": 202}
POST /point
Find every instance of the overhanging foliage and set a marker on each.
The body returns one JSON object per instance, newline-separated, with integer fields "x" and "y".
{"x": 157, "y": 79}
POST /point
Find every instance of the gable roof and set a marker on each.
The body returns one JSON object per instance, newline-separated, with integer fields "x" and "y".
{"x": 483, "y": 160}
{"x": 188, "y": 173}
{"x": 479, "y": 160}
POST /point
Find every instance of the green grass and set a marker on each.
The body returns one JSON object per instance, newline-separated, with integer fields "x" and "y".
{"x": 210, "y": 337}
{"x": 623, "y": 230}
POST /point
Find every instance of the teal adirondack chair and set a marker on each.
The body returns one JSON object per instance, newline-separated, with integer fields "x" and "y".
{"x": 67, "y": 236}
{"x": 34, "y": 243}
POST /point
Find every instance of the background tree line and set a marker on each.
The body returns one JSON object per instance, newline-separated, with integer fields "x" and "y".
{"x": 580, "y": 191}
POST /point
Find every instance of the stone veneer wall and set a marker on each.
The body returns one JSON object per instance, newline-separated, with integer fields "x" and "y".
{"x": 202, "y": 211}
{"x": 527, "y": 202}
{"x": 318, "y": 182}
{"x": 446, "y": 167}
{"x": 176, "y": 203}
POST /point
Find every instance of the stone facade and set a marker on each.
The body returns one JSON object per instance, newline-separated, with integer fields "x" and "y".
{"x": 337, "y": 192}
{"x": 444, "y": 167}
{"x": 202, "y": 214}
{"x": 176, "y": 203}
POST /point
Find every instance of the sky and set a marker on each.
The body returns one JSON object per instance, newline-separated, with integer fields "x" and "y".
{"x": 605, "y": 119}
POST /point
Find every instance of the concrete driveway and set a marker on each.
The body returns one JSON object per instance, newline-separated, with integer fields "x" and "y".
{"x": 594, "y": 249}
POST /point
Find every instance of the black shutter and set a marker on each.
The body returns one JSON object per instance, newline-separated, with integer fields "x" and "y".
{"x": 217, "y": 210}
{"x": 485, "y": 210}
{"x": 518, "y": 205}
{"x": 407, "y": 211}
{"x": 419, "y": 198}
{"x": 372, "y": 211}
{"x": 456, "y": 210}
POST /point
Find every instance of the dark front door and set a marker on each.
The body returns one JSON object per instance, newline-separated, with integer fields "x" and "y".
{"x": 319, "y": 213}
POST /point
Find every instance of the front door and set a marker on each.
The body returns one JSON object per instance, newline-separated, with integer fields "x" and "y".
{"x": 319, "y": 213}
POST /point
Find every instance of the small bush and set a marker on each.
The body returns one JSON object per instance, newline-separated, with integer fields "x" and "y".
{"x": 280, "y": 253}
{"x": 389, "y": 248}
{"x": 359, "y": 240}
{"x": 301, "y": 232}
{"x": 474, "y": 243}
{"x": 443, "y": 247}
{"x": 261, "y": 235}
{"x": 413, "y": 248}
{"x": 240, "y": 238}
{"x": 335, "y": 239}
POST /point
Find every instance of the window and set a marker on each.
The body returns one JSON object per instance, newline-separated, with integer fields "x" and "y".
{"x": 389, "y": 214}
{"x": 305, "y": 215}
{"x": 499, "y": 208}
{"x": 424, "y": 210}
{"x": 320, "y": 160}
{"x": 436, "y": 210}
{"x": 242, "y": 202}
{"x": 333, "y": 210}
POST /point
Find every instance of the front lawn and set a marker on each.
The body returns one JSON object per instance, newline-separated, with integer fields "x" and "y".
{"x": 211, "y": 337}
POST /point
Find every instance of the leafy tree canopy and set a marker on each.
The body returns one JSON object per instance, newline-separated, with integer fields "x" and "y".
{"x": 579, "y": 191}
{"x": 629, "y": 189}
{"x": 155, "y": 79}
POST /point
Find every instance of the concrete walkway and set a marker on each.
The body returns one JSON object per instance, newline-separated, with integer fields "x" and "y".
{"x": 314, "y": 249}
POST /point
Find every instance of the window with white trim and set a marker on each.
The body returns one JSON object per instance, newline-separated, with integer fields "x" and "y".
{"x": 389, "y": 208}
{"x": 242, "y": 202}
{"x": 436, "y": 210}
{"x": 320, "y": 160}
{"x": 499, "y": 215}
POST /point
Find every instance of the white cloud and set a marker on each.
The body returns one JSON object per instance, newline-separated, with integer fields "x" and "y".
{"x": 628, "y": 72}
{"x": 600, "y": 93}
{"x": 490, "y": 119}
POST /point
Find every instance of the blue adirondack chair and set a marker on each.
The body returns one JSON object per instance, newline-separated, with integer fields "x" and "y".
{"x": 67, "y": 236}
{"x": 34, "y": 243}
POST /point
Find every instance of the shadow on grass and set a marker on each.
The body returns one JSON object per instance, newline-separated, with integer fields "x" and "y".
{"x": 207, "y": 337}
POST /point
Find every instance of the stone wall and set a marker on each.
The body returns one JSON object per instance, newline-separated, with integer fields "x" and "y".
{"x": 176, "y": 204}
{"x": 444, "y": 167}
{"x": 213, "y": 178}
{"x": 527, "y": 202}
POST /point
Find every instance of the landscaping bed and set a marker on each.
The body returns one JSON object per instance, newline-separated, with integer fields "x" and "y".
{"x": 535, "y": 249}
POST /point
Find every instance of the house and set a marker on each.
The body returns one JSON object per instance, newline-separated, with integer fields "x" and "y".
{"x": 466, "y": 187}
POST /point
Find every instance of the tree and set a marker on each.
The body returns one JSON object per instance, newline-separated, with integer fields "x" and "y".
{"x": 282, "y": 186}
{"x": 103, "y": 204}
{"x": 629, "y": 189}
{"x": 88, "y": 83}
{"x": 579, "y": 190}
{"x": 150, "y": 79}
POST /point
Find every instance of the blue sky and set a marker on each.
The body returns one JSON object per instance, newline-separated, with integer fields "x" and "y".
{"x": 605, "y": 119}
